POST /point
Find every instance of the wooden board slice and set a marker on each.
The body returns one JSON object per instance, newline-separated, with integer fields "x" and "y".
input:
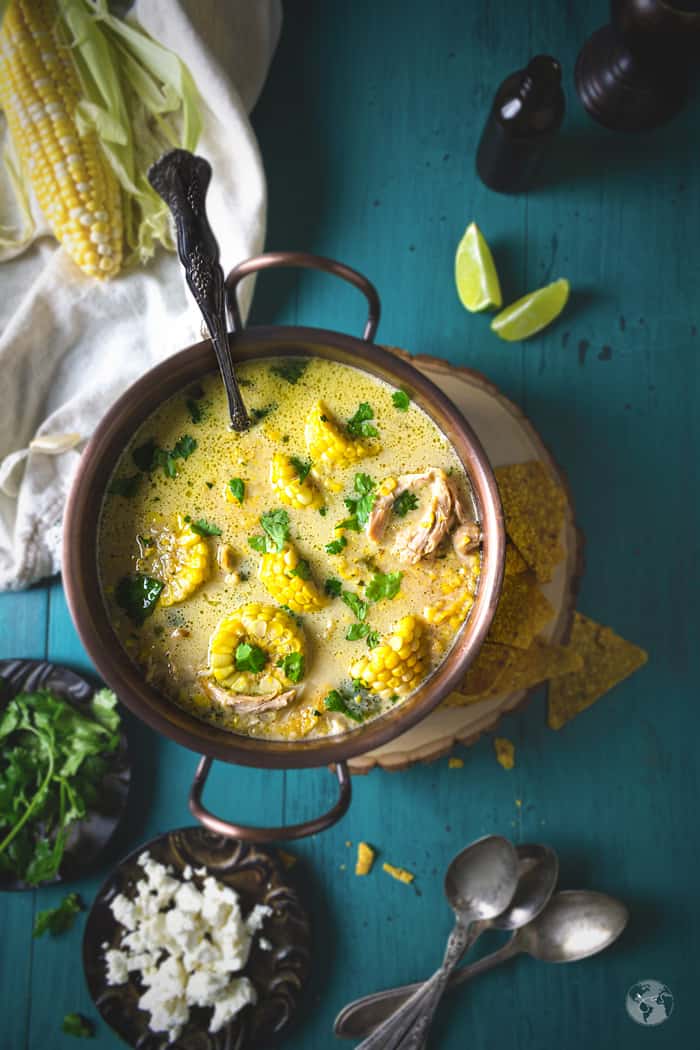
{"x": 508, "y": 437}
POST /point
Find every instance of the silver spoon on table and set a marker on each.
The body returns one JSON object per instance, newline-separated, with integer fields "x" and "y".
{"x": 574, "y": 925}
{"x": 538, "y": 869}
{"x": 479, "y": 884}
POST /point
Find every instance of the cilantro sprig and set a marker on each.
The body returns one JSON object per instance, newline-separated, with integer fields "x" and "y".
{"x": 383, "y": 585}
{"x": 291, "y": 371}
{"x": 404, "y": 503}
{"x": 149, "y": 456}
{"x": 250, "y": 657}
{"x": 237, "y": 489}
{"x": 54, "y": 758}
{"x": 205, "y": 528}
{"x": 401, "y": 400}
{"x": 302, "y": 467}
{"x": 138, "y": 595}
{"x": 359, "y": 425}
{"x": 293, "y": 666}
{"x": 275, "y": 526}
{"x": 360, "y": 505}
{"x": 59, "y": 919}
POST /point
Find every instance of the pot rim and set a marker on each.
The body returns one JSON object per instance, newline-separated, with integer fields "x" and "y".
{"x": 81, "y": 521}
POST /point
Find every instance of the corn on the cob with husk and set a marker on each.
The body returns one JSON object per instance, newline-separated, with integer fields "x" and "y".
{"x": 266, "y": 627}
{"x": 284, "y": 478}
{"x": 282, "y": 573}
{"x": 179, "y": 557}
{"x": 399, "y": 663}
{"x": 458, "y": 589}
{"x": 328, "y": 446}
{"x": 72, "y": 179}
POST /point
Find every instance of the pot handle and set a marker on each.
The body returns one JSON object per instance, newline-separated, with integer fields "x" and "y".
{"x": 247, "y": 833}
{"x": 307, "y": 262}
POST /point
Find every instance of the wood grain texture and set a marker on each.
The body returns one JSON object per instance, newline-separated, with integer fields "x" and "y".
{"x": 368, "y": 127}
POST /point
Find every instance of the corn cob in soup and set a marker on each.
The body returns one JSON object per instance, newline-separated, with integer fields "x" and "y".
{"x": 302, "y": 577}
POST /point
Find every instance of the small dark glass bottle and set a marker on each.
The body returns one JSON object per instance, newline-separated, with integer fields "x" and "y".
{"x": 526, "y": 114}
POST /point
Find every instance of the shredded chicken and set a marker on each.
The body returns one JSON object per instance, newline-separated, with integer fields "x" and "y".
{"x": 247, "y": 704}
{"x": 466, "y": 539}
{"x": 442, "y": 511}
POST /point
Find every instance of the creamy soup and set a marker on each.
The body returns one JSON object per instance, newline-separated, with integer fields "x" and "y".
{"x": 301, "y": 577}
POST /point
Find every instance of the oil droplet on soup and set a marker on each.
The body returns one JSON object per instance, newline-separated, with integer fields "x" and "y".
{"x": 302, "y": 577}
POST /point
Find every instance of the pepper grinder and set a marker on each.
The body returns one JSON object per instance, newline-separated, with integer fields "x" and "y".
{"x": 526, "y": 114}
{"x": 632, "y": 75}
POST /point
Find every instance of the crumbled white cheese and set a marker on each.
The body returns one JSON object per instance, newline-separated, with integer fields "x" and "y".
{"x": 185, "y": 942}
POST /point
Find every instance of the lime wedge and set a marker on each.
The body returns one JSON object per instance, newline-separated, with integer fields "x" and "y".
{"x": 532, "y": 313}
{"x": 477, "y": 282}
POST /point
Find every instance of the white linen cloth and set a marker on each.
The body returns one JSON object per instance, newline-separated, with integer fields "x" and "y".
{"x": 69, "y": 345}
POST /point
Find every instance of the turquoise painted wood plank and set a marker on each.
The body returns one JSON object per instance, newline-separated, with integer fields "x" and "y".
{"x": 22, "y": 633}
{"x": 368, "y": 127}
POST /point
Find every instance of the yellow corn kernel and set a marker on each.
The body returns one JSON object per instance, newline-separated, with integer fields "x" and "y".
{"x": 398, "y": 873}
{"x": 328, "y": 446}
{"x": 73, "y": 182}
{"x": 279, "y": 574}
{"x": 365, "y": 859}
{"x": 284, "y": 478}
{"x": 458, "y": 587}
{"x": 399, "y": 663}
{"x": 266, "y": 627}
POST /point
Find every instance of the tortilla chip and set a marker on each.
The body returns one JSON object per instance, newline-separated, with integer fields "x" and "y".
{"x": 534, "y": 507}
{"x": 607, "y": 660}
{"x": 515, "y": 563}
{"x": 522, "y": 612}
{"x": 483, "y": 673}
{"x": 505, "y": 751}
{"x": 522, "y": 669}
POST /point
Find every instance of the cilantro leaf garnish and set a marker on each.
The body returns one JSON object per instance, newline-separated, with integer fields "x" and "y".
{"x": 275, "y": 525}
{"x": 293, "y": 666}
{"x": 373, "y": 639}
{"x": 125, "y": 487}
{"x": 237, "y": 488}
{"x": 302, "y": 569}
{"x": 77, "y": 1025}
{"x": 357, "y": 630}
{"x": 149, "y": 456}
{"x": 137, "y": 595}
{"x": 335, "y": 701}
{"x": 250, "y": 657}
{"x": 292, "y": 371}
{"x": 58, "y": 920}
{"x": 195, "y": 410}
{"x": 359, "y": 425}
{"x": 205, "y": 528}
{"x": 260, "y": 413}
{"x": 401, "y": 400}
{"x": 383, "y": 585}
{"x": 333, "y": 587}
{"x": 336, "y": 546}
{"x": 355, "y": 604}
{"x": 405, "y": 502}
{"x": 359, "y": 506}
{"x": 302, "y": 467}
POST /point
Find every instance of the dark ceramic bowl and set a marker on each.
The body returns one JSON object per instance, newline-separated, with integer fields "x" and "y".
{"x": 81, "y": 570}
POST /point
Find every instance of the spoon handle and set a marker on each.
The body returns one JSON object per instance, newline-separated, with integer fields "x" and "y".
{"x": 182, "y": 180}
{"x": 360, "y": 1017}
{"x": 414, "y": 1015}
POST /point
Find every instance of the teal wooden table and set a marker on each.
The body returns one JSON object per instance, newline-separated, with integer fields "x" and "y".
{"x": 368, "y": 127}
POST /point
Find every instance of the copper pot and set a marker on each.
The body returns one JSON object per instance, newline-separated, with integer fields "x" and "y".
{"x": 81, "y": 573}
